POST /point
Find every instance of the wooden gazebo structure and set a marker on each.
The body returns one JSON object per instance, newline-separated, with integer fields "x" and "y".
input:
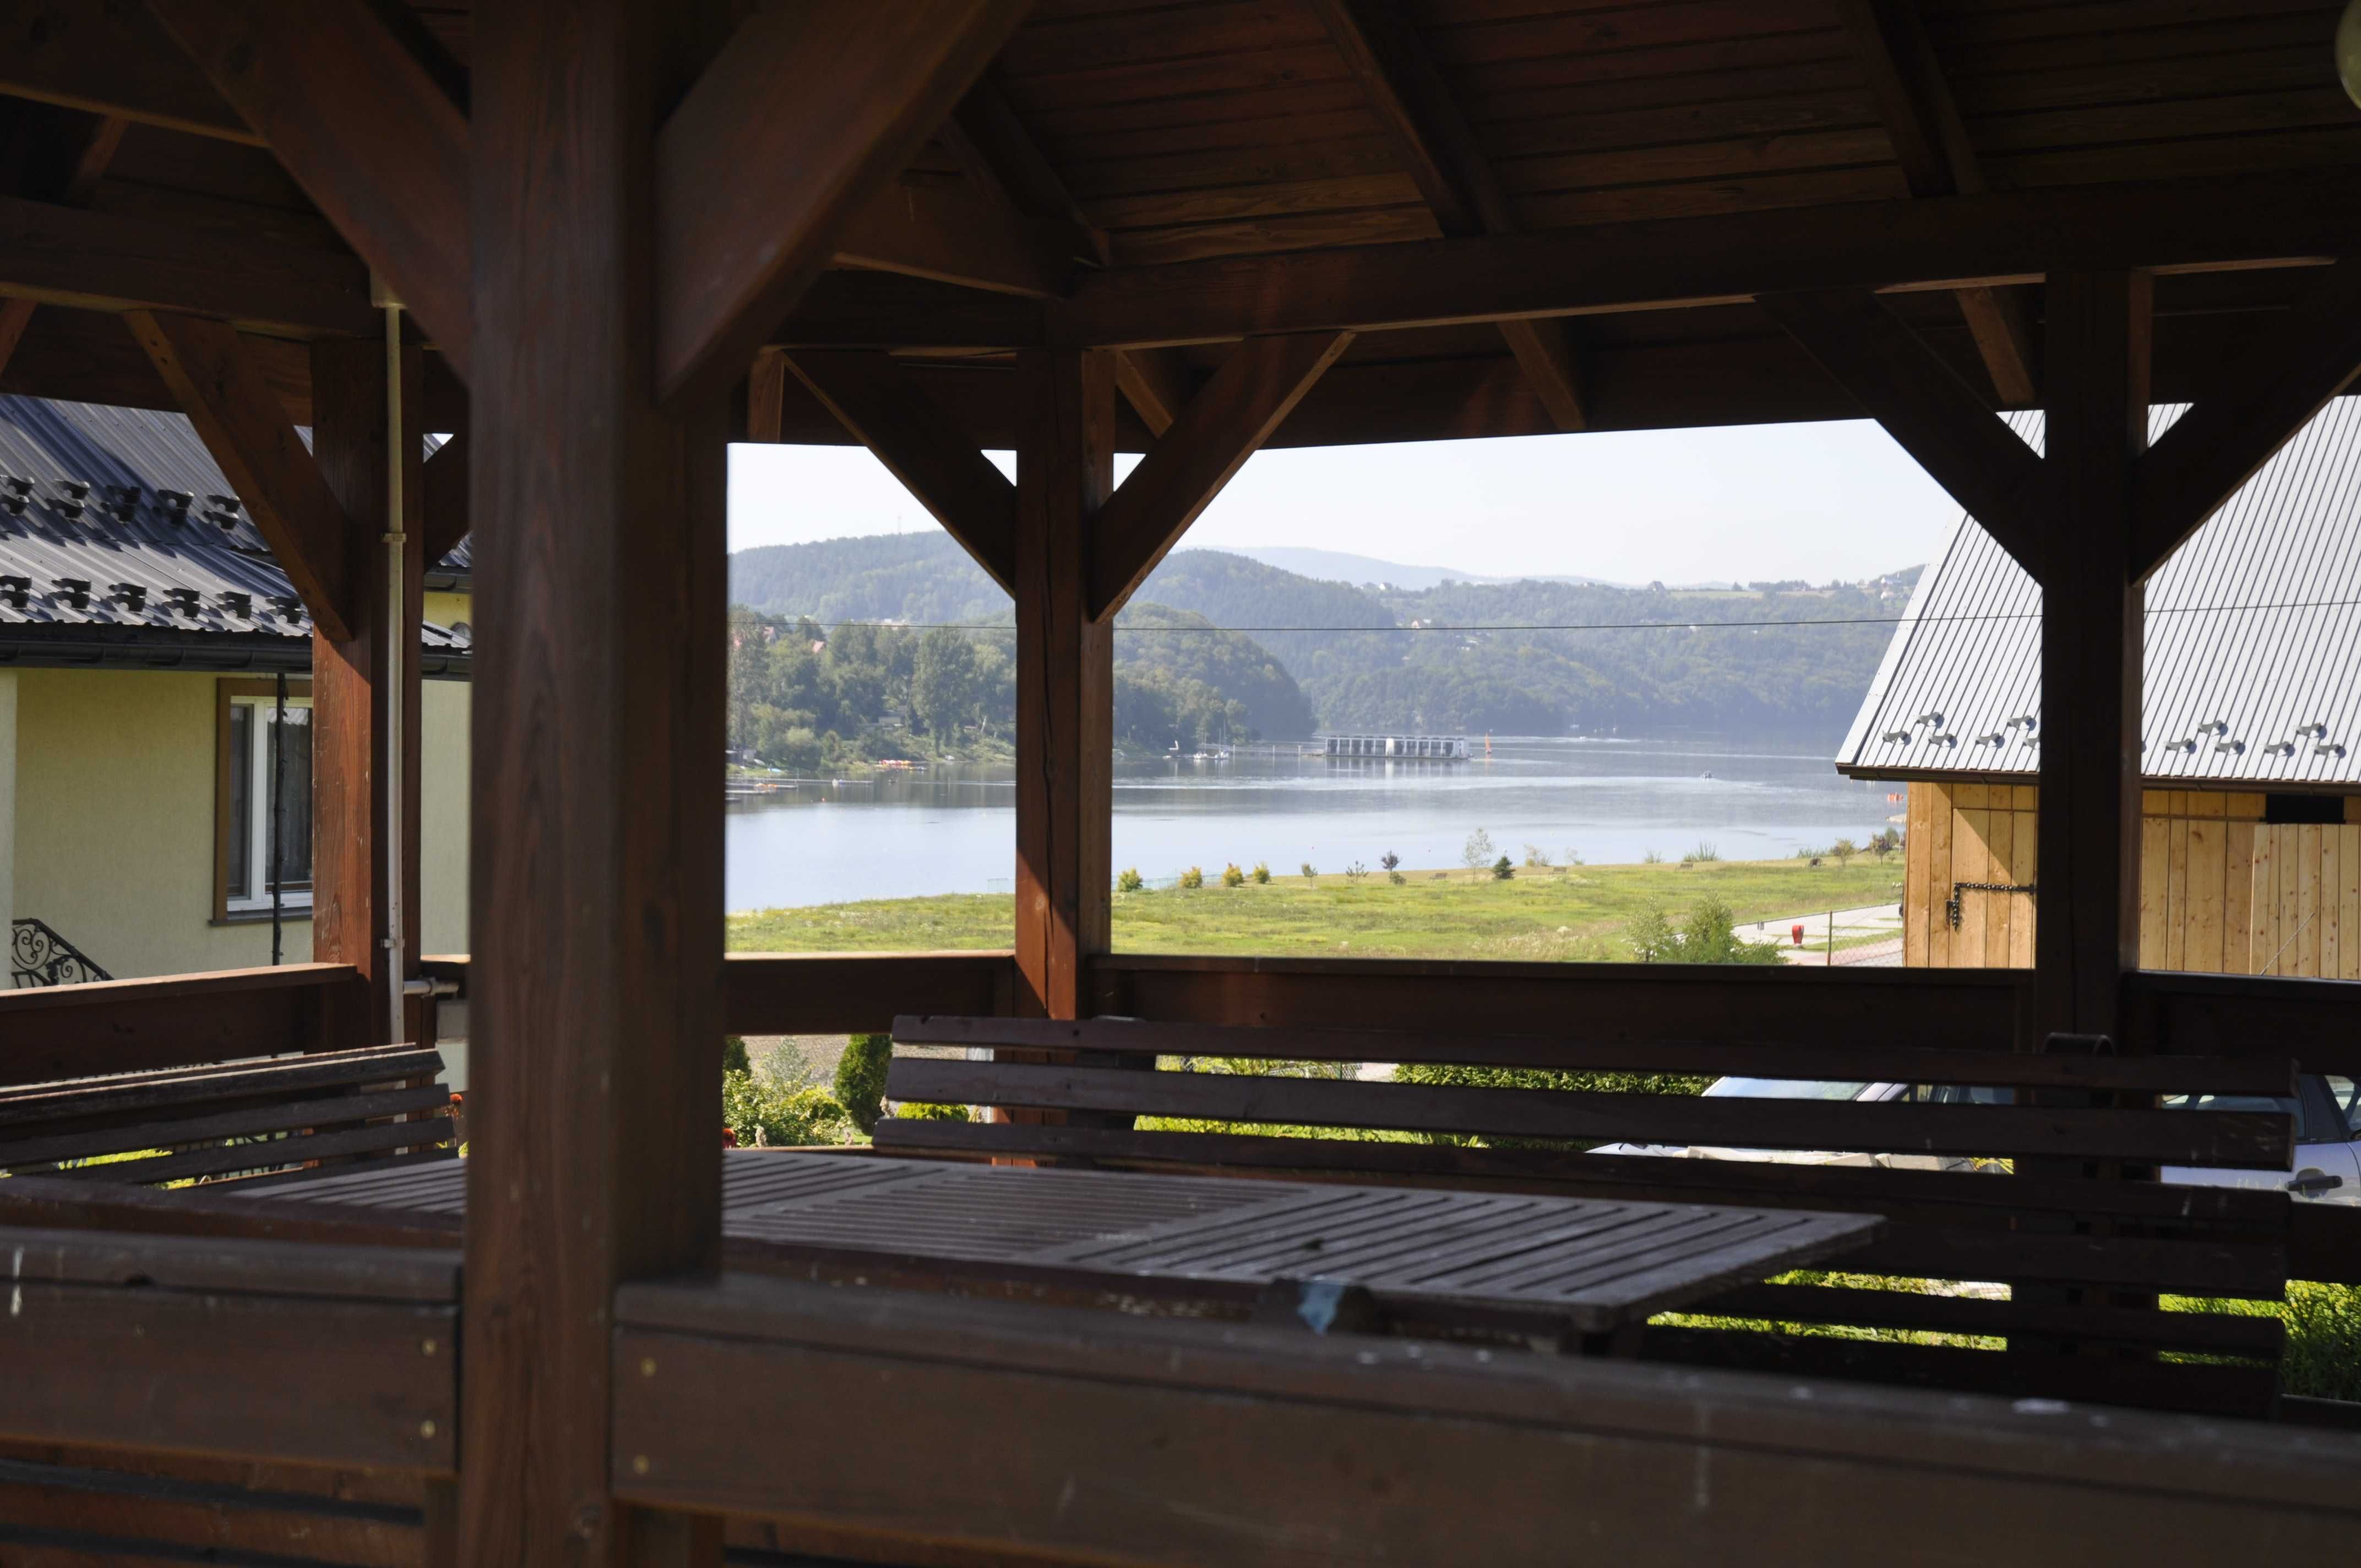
{"x": 622, "y": 234}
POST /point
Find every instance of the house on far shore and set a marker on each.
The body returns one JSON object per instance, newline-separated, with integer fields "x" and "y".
{"x": 2250, "y": 841}
{"x": 145, "y": 635}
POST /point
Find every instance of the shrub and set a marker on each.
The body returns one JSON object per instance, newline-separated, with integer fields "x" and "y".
{"x": 1572, "y": 857}
{"x": 861, "y": 1079}
{"x": 1844, "y": 849}
{"x": 1649, "y": 934}
{"x": 1310, "y": 872}
{"x": 914, "y": 1112}
{"x": 2323, "y": 1360}
{"x": 1262, "y": 873}
{"x": 1355, "y": 871}
{"x": 733, "y": 1054}
{"x": 761, "y": 1111}
{"x": 1650, "y": 858}
{"x": 1501, "y": 870}
{"x": 1130, "y": 881}
{"x": 1396, "y": 878}
{"x": 1477, "y": 851}
{"x": 1193, "y": 877}
{"x": 1536, "y": 857}
{"x": 1389, "y": 860}
{"x": 1705, "y": 851}
{"x": 1232, "y": 876}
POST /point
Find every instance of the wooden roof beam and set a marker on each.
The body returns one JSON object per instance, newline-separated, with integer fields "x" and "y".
{"x": 1931, "y": 143}
{"x": 74, "y": 186}
{"x": 936, "y": 462}
{"x": 245, "y": 426}
{"x": 112, "y": 59}
{"x": 844, "y": 95}
{"x": 366, "y": 128}
{"x": 1224, "y": 425}
{"x": 2287, "y": 374}
{"x": 1404, "y": 86}
{"x": 1935, "y": 416}
{"x": 2000, "y": 237}
{"x": 444, "y": 506}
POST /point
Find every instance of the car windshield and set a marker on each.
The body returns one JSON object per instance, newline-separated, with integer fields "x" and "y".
{"x": 1784, "y": 1088}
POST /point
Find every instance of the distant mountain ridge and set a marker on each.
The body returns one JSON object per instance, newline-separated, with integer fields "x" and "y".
{"x": 1342, "y": 566}
{"x": 1522, "y": 656}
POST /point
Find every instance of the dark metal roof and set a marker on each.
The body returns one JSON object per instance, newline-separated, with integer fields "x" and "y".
{"x": 2253, "y": 667}
{"x": 122, "y": 543}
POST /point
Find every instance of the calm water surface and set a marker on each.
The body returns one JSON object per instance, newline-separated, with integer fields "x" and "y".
{"x": 953, "y": 829}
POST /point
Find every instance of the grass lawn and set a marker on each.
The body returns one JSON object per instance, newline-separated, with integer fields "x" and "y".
{"x": 1572, "y": 913}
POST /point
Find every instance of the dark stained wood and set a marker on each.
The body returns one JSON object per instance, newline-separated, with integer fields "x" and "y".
{"x": 2233, "y": 1014}
{"x": 224, "y": 1347}
{"x": 1270, "y": 1419}
{"x": 991, "y": 140}
{"x": 207, "y": 1211}
{"x": 2324, "y": 1243}
{"x": 923, "y": 448}
{"x": 1568, "y": 1050}
{"x": 133, "y": 1026}
{"x": 1156, "y": 385}
{"x": 1065, "y": 680}
{"x": 1974, "y": 1009}
{"x": 766, "y": 393}
{"x": 2220, "y": 1332}
{"x": 243, "y": 425}
{"x": 600, "y": 553}
{"x": 2011, "y": 236}
{"x": 951, "y": 230}
{"x": 735, "y": 246}
{"x": 2290, "y": 371}
{"x": 109, "y": 60}
{"x": 1410, "y": 96}
{"x": 1227, "y": 421}
{"x": 2247, "y": 1141}
{"x": 1934, "y": 415}
{"x": 93, "y": 260}
{"x": 354, "y": 707}
{"x": 775, "y": 993}
{"x": 1931, "y": 143}
{"x": 76, "y": 184}
{"x": 443, "y": 479}
{"x": 2091, "y": 624}
{"x": 372, "y": 137}
{"x": 19, "y": 1152}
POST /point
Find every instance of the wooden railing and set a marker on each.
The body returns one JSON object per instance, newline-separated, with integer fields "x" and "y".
{"x": 132, "y": 1025}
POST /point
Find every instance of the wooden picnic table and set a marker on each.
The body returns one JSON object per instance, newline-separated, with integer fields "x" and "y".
{"x": 1590, "y": 1265}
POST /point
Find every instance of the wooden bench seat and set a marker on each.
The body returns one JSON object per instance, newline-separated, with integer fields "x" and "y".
{"x": 2025, "y": 1188}
{"x": 247, "y": 1122}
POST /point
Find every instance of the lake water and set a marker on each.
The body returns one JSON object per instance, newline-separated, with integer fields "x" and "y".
{"x": 953, "y": 829}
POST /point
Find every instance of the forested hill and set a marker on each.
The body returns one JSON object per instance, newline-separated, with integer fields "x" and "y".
{"x": 1522, "y": 657}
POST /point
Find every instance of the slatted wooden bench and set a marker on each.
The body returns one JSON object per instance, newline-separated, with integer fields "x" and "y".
{"x": 248, "y": 1122}
{"x": 2093, "y": 1247}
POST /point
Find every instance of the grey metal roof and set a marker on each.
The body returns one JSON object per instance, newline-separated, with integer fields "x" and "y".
{"x": 2253, "y": 667}
{"x": 121, "y": 542}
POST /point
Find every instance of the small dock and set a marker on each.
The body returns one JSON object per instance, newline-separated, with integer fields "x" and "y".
{"x": 1398, "y": 747}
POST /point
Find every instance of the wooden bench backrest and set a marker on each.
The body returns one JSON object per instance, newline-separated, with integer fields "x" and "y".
{"x": 1078, "y": 1090}
{"x": 239, "y": 1120}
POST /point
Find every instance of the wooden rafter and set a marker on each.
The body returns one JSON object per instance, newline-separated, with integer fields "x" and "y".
{"x": 244, "y": 425}
{"x": 1931, "y": 143}
{"x": 364, "y": 126}
{"x": 992, "y": 142}
{"x": 2001, "y": 237}
{"x": 766, "y": 397}
{"x": 1223, "y": 426}
{"x": 936, "y": 462}
{"x": 87, "y": 260}
{"x": 1409, "y": 93}
{"x": 1156, "y": 385}
{"x": 937, "y": 227}
{"x": 75, "y": 187}
{"x": 110, "y": 60}
{"x": 2287, "y": 373}
{"x": 1938, "y": 418}
{"x": 736, "y": 245}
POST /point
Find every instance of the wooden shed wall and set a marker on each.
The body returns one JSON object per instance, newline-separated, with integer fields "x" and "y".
{"x": 2221, "y": 890}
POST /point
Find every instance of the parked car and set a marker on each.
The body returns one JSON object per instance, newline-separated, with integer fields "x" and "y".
{"x": 2327, "y": 1111}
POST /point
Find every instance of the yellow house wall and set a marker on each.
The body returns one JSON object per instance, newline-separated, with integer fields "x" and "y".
{"x": 115, "y": 812}
{"x": 2221, "y": 890}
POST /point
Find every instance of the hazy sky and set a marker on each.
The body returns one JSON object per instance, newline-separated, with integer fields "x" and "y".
{"x": 1762, "y": 501}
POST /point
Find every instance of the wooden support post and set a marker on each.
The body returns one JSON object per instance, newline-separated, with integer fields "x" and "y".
{"x": 1065, "y": 680}
{"x": 2088, "y": 933}
{"x": 351, "y": 713}
{"x": 594, "y": 1107}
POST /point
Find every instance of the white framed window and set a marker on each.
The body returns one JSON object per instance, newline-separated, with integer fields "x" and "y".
{"x": 263, "y": 799}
